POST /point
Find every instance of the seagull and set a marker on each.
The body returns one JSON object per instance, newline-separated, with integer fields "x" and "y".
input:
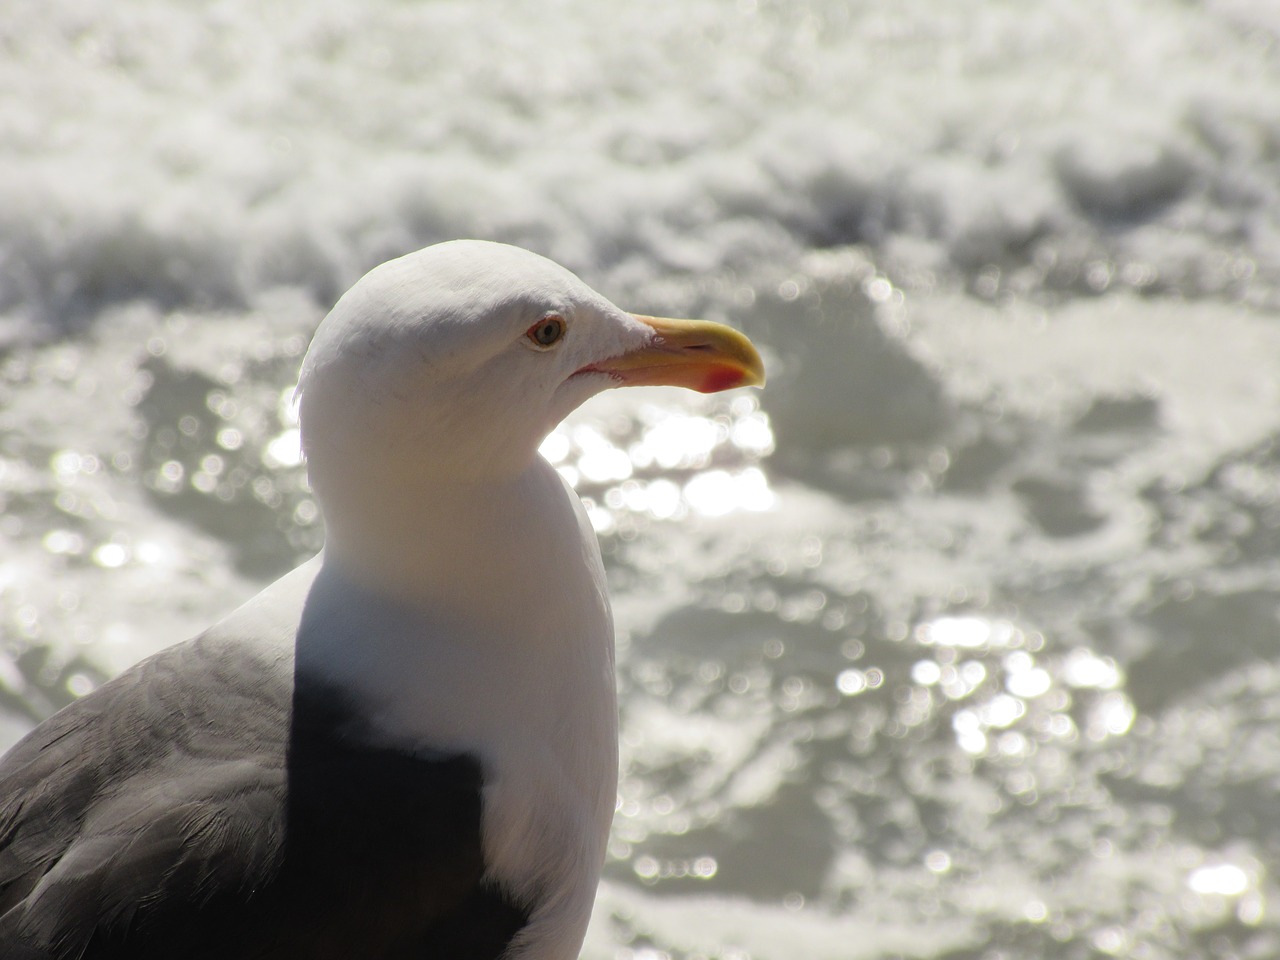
{"x": 406, "y": 747}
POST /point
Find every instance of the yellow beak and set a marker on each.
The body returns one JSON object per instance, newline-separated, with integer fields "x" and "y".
{"x": 697, "y": 354}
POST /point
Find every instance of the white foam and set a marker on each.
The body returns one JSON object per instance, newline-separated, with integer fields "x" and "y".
{"x": 203, "y": 162}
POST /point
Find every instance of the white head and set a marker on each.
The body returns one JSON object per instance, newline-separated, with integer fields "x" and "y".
{"x": 453, "y": 363}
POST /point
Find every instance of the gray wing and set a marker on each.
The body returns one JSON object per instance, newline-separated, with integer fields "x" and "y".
{"x": 167, "y": 782}
{"x": 209, "y": 804}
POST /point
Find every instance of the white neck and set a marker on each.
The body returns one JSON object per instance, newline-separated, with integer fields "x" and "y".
{"x": 485, "y": 551}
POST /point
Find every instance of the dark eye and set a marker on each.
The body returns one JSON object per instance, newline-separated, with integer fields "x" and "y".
{"x": 546, "y": 331}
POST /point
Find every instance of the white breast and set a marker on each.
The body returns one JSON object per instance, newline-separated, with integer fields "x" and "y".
{"x": 513, "y": 661}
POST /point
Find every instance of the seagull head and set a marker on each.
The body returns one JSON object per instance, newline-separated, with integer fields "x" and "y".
{"x": 454, "y": 363}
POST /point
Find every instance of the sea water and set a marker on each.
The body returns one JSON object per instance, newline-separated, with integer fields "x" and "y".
{"x": 959, "y": 640}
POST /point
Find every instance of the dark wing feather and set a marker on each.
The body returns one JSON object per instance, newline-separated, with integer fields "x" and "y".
{"x": 204, "y": 804}
{"x": 110, "y": 808}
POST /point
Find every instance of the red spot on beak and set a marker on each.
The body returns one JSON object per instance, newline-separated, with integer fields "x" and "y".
{"x": 695, "y": 354}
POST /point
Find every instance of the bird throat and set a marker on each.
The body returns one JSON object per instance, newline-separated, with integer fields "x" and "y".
{"x": 485, "y": 552}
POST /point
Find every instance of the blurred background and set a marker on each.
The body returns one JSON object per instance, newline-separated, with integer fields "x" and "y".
{"x": 958, "y": 641}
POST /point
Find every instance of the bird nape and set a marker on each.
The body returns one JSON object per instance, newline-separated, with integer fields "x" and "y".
{"x": 407, "y": 747}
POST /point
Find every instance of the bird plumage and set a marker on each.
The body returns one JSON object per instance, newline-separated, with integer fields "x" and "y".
{"x": 248, "y": 833}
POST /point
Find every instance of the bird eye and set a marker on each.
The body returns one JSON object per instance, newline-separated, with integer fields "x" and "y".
{"x": 547, "y": 331}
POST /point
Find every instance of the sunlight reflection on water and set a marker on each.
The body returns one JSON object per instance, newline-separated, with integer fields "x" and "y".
{"x": 667, "y": 463}
{"x": 1016, "y": 695}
